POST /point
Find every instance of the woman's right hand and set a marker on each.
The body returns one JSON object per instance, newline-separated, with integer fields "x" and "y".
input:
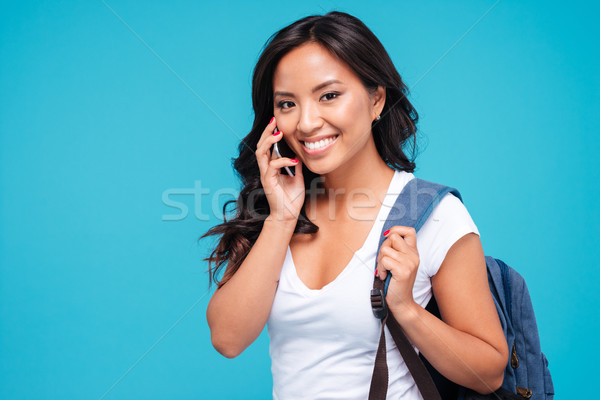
{"x": 285, "y": 193}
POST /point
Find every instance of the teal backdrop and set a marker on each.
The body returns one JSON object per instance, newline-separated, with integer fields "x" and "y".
{"x": 118, "y": 123}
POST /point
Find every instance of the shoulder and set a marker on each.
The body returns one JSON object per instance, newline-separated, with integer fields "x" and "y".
{"x": 449, "y": 221}
{"x": 450, "y": 207}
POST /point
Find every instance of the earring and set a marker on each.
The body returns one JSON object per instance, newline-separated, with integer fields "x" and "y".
{"x": 378, "y": 118}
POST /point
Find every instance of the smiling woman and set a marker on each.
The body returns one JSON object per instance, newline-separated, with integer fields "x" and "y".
{"x": 301, "y": 250}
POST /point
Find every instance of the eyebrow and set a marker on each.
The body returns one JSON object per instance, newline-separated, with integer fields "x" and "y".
{"x": 318, "y": 87}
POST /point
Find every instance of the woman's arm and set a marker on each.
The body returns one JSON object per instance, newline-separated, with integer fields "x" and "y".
{"x": 468, "y": 346}
{"x": 238, "y": 311}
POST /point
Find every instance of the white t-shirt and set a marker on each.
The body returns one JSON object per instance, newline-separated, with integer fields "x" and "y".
{"x": 323, "y": 342}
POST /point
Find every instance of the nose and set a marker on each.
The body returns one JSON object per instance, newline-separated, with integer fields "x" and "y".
{"x": 310, "y": 118}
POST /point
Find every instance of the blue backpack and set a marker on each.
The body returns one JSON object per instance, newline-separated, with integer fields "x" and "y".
{"x": 526, "y": 376}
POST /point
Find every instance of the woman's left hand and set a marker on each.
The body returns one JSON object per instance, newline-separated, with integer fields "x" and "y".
{"x": 399, "y": 255}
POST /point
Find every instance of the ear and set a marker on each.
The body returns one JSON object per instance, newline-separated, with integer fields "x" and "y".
{"x": 377, "y": 101}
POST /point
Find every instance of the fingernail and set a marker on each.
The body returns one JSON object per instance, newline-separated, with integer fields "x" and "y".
{"x": 376, "y": 272}
{"x": 386, "y": 232}
{"x": 294, "y": 160}
{"x": 271, "y": 120}
{"x": 276, "y": 133}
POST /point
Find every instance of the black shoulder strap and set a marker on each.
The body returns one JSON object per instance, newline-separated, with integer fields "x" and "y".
{"x": 411, "y": 208}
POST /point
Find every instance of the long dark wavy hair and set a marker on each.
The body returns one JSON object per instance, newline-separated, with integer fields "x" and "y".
{"x": 346, "y": 37}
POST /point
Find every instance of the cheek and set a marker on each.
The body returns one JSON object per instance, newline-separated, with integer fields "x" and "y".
{"x": 351, "y": 114}
{"x": 286, "y": 122}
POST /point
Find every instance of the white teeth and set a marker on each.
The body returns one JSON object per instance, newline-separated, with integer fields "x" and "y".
{"x": 320, "y": 144}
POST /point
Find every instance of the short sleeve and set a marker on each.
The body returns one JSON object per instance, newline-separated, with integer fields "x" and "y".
{"x": 448, "y": 222}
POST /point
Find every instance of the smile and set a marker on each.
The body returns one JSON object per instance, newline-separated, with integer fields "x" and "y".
{"x": 320, "y": 146}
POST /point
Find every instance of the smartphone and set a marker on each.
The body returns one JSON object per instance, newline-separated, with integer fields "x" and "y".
{"x": 281, "y": 149}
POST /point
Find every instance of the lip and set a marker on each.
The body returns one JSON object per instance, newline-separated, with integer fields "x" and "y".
{"x": 322, "y": 149}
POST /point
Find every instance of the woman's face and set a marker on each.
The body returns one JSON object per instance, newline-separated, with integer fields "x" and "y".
{"x": 322, "y": 107}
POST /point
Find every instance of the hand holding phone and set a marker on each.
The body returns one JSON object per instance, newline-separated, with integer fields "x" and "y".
{"x": 283, "y": 187}
{"x": 283, "y": 150}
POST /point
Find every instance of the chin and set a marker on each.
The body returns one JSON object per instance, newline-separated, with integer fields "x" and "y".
{"x": 321, "y": 168}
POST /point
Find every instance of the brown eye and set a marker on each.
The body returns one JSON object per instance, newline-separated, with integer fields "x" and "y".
{"x": 282, "y": 104}
{"x": 330, "y": 96}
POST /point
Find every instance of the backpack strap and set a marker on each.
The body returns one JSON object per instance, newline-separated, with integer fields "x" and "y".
{"x": 412, "y": 207}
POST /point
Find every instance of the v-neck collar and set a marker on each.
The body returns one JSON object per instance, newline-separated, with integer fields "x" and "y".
{"x": 358, "y": 254}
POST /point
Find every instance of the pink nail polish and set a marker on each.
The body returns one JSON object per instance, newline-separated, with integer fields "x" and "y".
{"x": 276, "y": 133}
{"x": 271, "y": 121}
{"x": 294, "y": 160}
{"x": 386, "y": 232}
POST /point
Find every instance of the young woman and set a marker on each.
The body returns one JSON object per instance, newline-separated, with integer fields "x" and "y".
{"x": 301, "y": 250}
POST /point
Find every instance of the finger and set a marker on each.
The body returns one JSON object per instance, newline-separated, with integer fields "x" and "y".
{"x": 401, "y": 269}
{"x": 269, "y": 129}
{"x": 275, "y": 165}
{"x": 408, "y": 232}
{"x": 297, "y": 171}
{"x": 279, "y": 163}
{"x": 298, "y": 174}
{"x": 388, "y": 264}
{"x": 263, "y": 147}
{"x": 263, "y": 151}
{"x": 380, "y": 271}
{"x": 267, "y": 141}
{"x": 387, "y": 251}
{"x": 398, "y": 243}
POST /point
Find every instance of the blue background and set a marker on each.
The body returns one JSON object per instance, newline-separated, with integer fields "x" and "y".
{"x": 112, "y": 111}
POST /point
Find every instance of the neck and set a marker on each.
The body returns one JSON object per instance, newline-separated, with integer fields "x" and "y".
{"x": 359, "y": 187}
